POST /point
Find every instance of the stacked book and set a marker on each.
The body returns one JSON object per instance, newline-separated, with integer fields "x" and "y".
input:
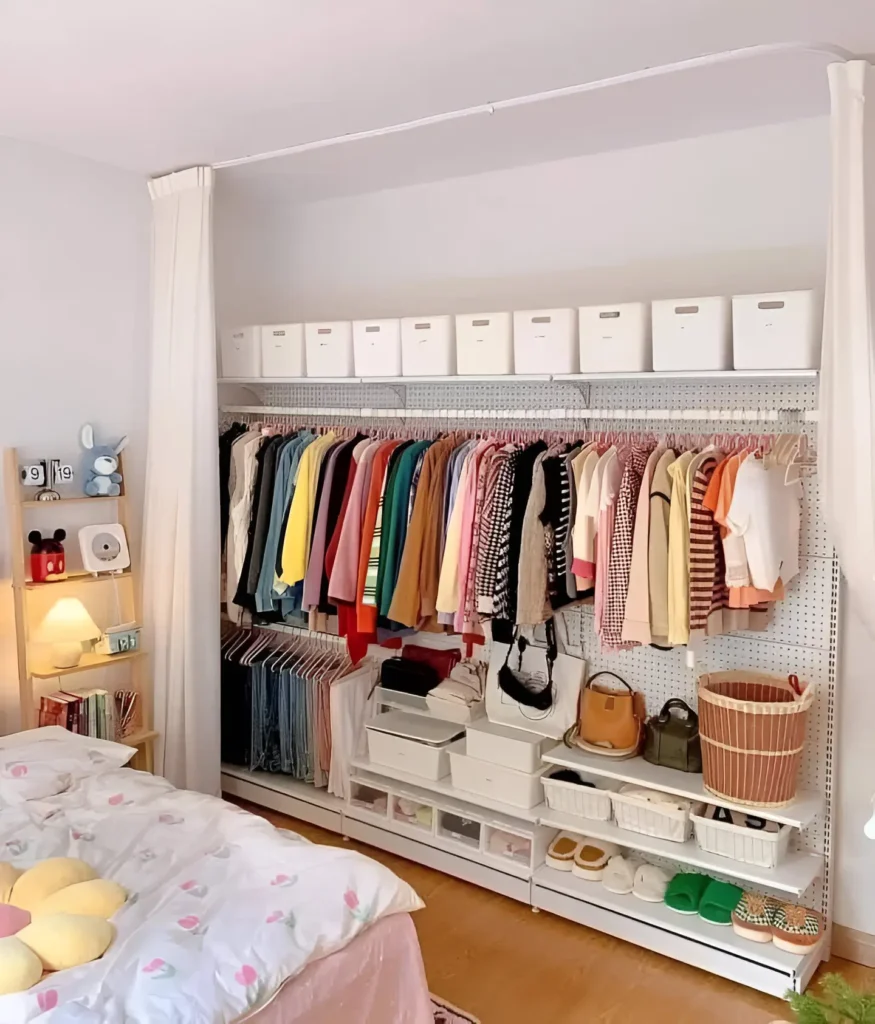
{"x": 88, "y": 712}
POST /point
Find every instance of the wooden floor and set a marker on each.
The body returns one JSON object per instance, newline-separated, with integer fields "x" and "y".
{"x": 496, "y": 959}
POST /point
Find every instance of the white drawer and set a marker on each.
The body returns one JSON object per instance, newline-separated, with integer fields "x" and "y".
{"x": 507, "y": 845}
{"x": 377, "y": 348}
{"x": 428, "y": 346}
{"x": 454, "y": 826}
{"x": 369, "y": 798}
{"x": 692, "y": 334}
{"x": 282, "y": 350}
{"x": 430, "y": 762}
{"x": 777, "y": 331}
{"x": 241, "y": 351}
{"x": 413, "y": 813}
{"x": 502, "y": 745}
{"x": 329, "y": 349}
{"x": 615, "y": 339}
{"x": 520, "y": 789}
{"x": 545, "y": 341}
{"x": 484, "y": 343}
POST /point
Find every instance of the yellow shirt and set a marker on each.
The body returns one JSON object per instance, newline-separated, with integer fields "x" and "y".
{"x": 679, "y": 553}
{"x": 296, "y": 543}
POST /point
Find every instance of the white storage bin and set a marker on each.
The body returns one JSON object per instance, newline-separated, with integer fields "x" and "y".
{"x": 412, "y": 743}
{"x": 740, "y": 843}
{"x": 413, "y": 813}
{"x": 520, "y": 789}
{"x": 369, "y": 798}
{"x": 282, "y": 350}
{"x": 459, "y": 828}
{"x": 777, "y": 331}
{"x": 512, "y": 748}
{"x": 583, "y": 801}
{"x": 506, "y": 845}
{"x": 545, "y": 341}
{"x": 615, "y": 339}
{"x": 654, "y": 814}
{"x": 329, "y": 349}
{"x": 241, "y": 351}
{"x": 428, "y": 346}
{"x": 484, "y": 343}
{"x": 692, "y": 334}
{"x": 377, "y": 347}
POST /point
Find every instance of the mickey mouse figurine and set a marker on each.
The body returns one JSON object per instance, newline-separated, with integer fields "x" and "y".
{"x": 47, "y": 562}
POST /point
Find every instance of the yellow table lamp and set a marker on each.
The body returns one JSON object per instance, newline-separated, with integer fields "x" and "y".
{"x": 66, "y": 627}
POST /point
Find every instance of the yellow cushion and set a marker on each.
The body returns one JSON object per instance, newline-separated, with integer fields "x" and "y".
{"x": 20, "y": 967}
{"x": 62, "y": 941}
{"x": 46, "y": 878}
{"x": 97, "y": 898}
{"x": 8, "y": 877}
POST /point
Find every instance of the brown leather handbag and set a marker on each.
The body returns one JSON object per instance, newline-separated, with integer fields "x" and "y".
{"x": 610, "y": 719}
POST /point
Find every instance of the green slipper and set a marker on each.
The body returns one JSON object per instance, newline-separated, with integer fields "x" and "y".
{"x": 719, "y": 901}
{"x": 685, "y": 890}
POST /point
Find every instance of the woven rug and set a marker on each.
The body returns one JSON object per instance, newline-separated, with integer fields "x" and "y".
{"x": 446, "y": 1013}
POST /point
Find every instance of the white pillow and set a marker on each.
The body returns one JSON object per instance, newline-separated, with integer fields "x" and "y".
{"x": 63, "y": 752}
{"x": 20, "y": 782}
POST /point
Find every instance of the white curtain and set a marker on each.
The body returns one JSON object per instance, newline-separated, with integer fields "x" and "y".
{"x": 181, "y": 528}
{"x": 847, "y": 388}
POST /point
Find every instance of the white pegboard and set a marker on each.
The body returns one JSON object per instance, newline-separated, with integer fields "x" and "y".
{"x": 802, "y": 635}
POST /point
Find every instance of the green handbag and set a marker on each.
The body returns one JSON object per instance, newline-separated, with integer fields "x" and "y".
{"x": 673, "y": 740}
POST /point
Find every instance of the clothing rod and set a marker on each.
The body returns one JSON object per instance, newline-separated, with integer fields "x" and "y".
{"x": 658, "y": 71}
{"x": 737, "y": 415}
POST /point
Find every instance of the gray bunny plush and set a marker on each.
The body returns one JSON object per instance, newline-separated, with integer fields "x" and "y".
{"x": 100, "y": 465}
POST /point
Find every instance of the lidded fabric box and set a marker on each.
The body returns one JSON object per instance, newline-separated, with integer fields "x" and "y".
{"x": 692, "y": 334}
{"x": 545, "y": 341}
{"x": 241, "y": 351}
{"x": 282, "y": 350}
{"x": 329, "y": 349}
{"x": 377, "y": 347}
{"x": 615, "y": 339}
{"x": 484, "y": 343}
{"x": 777, "y": 331}
{"x": 428, "y": 346}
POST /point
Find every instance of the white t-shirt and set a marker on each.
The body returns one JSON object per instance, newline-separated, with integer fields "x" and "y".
{"x": 766, "y": 511}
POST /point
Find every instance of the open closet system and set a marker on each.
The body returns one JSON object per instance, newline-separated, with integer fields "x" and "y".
{"x": 801, "y": 639}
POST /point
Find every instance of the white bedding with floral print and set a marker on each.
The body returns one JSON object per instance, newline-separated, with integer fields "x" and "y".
{"x": 222, "y": 909}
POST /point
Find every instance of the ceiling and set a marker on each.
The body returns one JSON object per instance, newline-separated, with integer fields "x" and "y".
{"x": 162, "y": 85}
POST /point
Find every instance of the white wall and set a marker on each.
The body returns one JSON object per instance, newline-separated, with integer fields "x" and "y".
{"x": 74, "y": 286}
{"x": 741, "y": 211}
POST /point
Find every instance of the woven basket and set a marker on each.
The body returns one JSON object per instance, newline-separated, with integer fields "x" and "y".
{"x": 752, "y": 728}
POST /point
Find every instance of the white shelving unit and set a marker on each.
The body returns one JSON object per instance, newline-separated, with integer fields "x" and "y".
{"x": 800, "y": 813}
{"x": 801, "y": 639}
{"x": 687, "y": 938}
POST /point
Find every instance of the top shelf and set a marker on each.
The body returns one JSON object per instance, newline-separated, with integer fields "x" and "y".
{"x": 800, "y": 813}
{"x": 724, "y": 376}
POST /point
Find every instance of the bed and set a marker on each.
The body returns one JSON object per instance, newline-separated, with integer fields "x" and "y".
{"x": 228, "y": 919}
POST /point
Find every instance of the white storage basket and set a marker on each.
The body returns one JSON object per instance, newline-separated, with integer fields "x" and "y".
{"x": 742, "y": 844}
{"x": 654, "y": 814}
{"x": 582, "y": 801}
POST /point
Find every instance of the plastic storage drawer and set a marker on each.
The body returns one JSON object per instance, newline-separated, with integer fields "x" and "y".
{"x": 369, "y": 798}
{"x": 545, "y": 341}
{"x": 329, "y": 349}
{"x": 615, "y": 339}
{"x": 282, "y": 350}
{"x": 484, "y": 343}
{"x": 459, "y": 829}
{"x": 414, "y": 813}
{"x": 377, "y": 347}
{"x": 692, "y": 334}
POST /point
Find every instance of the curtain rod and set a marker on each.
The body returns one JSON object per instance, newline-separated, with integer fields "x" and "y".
{"x": 659, "y": 70}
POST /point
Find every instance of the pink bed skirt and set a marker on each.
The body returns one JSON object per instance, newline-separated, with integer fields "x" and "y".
{"x": 379, "y": 978}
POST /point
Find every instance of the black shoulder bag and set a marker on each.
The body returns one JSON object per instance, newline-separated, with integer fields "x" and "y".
{"x": 524, "y": 688}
